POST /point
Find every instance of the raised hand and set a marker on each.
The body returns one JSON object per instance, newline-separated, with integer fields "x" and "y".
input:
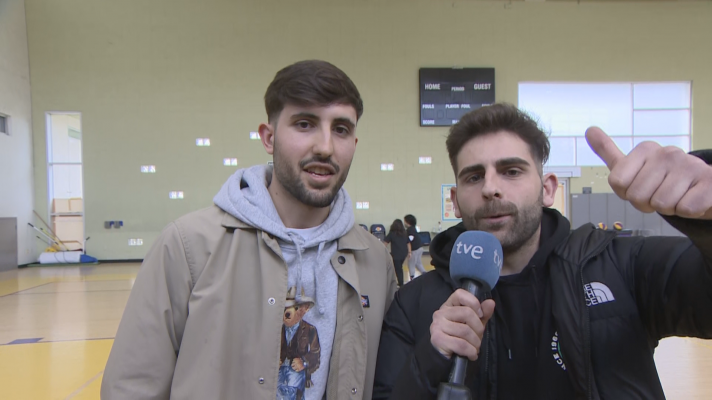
{"x": 656, "y": 178}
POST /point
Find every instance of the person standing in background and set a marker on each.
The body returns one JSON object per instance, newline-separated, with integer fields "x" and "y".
{"x": 415, "y": 247}
{"x": 398, "y": 239}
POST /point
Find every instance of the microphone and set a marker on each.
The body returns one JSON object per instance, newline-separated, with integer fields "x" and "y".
{"x": 475, "y": 264}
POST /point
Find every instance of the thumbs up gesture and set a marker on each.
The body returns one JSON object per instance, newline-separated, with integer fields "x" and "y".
{"x": 656, "y": 178}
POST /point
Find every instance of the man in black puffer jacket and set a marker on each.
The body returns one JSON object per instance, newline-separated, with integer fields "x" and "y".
{"x": 577, "y": 315}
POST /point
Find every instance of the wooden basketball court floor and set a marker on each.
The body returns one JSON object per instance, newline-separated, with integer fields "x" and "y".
{"x": 57, "y": 326}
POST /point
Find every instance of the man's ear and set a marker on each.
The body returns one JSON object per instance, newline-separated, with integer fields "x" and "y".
{"x": 267, "y": 137}
{"x": 453, "y": 197}
{"x": 550, "y": 183}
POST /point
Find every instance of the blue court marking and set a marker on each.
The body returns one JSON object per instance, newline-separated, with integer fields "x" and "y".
{"x": 26, "y": 341}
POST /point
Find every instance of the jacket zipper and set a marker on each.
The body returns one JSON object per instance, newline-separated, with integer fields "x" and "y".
{"x": 587, "y": 319}
{"x": 486, "y": 382}
{"x": 587, "y": 334}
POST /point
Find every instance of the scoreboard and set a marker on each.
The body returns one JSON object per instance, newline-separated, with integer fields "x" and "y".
{"x": 446, "y": 94}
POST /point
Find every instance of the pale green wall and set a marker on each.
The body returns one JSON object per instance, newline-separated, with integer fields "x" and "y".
{"x": 16, "y": 175}
{"x": 151, "y": 76}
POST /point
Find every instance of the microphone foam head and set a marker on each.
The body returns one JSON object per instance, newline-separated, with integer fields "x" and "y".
{"x": 476, "y": 255}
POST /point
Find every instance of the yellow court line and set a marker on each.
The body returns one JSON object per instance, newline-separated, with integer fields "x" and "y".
{"x": 14, "y": 286}
{"x": 5, "y": 291}
{"x": 51, "y": 371}
{"x": 96, "y": 278}
{"x": 91, "y": 392}
{"x": 84, "y": 386}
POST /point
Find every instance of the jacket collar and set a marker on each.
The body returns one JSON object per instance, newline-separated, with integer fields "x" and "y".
{"x": 352, "y": 240}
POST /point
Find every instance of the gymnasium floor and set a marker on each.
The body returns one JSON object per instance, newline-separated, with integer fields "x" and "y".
{"x": 57, "y": 327}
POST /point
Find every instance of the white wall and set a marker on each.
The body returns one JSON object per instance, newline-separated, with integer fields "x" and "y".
{"x": 16, "y": 164}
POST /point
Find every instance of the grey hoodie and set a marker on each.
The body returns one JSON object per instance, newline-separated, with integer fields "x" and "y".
{"x": 245, "y": 196}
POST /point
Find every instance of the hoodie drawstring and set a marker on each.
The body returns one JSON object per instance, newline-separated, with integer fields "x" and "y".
{"x": 317, "y": 272}
{"x": 297, "y": 240}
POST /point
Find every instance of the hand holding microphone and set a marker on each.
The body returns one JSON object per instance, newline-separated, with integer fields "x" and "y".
{"x": 459, "y": 325}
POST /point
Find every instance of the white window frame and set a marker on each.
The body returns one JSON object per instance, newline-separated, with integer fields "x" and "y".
{"x": 632, "y": 136}
{"x": 51, "y": 164}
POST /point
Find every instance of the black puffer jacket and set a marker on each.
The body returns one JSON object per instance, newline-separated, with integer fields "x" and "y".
{"x": 662, "y": 287}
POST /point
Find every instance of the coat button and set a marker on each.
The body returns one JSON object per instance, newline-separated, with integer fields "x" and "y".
{"x": 271, "y": 301}
{"x": 353, "y": 391}
{"x": 342, "y": 260}
{"x": 262, "y": 381}
{"x": 360, "y": 317}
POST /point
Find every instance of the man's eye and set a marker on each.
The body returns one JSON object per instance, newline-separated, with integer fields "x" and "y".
{"x": 303, "y": 124}
{"x": 513, "y": 172}
{"x": 342, "y": 130}
{"x": 474, "y": 178}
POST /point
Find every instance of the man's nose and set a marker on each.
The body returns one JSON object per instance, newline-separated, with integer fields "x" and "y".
{"x": 323, "y": 143}
{"x": 490, "y": 188}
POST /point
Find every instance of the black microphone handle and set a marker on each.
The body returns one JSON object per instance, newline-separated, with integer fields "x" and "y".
{"x": 457, "y": 375}
{"x": 455, "y": 388}
{"x": 476, "y": 288}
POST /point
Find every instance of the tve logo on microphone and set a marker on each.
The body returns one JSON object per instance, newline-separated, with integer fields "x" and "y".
{"x": 476, "y": 256}
{"x": 477, "y": 252}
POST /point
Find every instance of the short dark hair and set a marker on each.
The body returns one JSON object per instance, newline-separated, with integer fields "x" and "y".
{"x": 311, "y": 83}
{"x": 410, "y": 220}
{"x": 492, "y": 119}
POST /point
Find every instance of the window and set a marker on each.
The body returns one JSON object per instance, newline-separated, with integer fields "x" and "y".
{"x": 629, "y": 112}
{"x": 65, "y": 183}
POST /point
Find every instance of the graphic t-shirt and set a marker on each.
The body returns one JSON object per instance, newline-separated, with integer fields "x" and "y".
{"x": 309, "y": 319}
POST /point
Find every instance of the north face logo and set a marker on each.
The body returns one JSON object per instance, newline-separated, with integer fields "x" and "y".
{"x": 597, "y": 293}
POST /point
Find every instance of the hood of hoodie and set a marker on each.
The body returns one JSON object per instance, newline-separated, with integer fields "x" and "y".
{"x": 554, "y": 228}
{"x": 245, "y": 196}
